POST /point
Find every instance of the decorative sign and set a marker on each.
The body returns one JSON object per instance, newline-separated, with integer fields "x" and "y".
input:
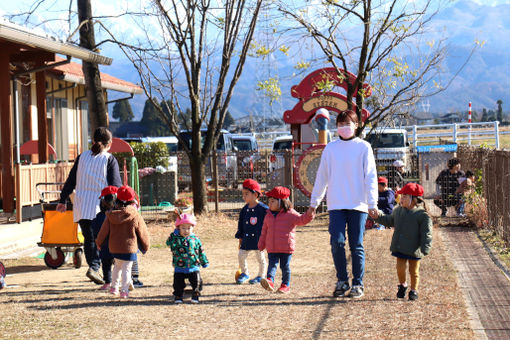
{"x": 306, "y": 169}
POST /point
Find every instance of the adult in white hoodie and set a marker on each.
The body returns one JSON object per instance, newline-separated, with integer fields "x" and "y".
{"x": 347, "y": 172}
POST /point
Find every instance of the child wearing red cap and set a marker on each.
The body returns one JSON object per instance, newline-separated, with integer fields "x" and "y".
{"x": 412, "y": 238}
{"x": 106, "y": 204}
{"x": 279, "y": 236}
{"x": 249, "y": 228}
{"x": 386, "y": 198}
{"x": 188, "y": 256}
{"x": 127, "y": 233}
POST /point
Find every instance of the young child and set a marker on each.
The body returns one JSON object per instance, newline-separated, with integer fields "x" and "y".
{"x": 466, "y": 186}
{"x": 106, "y": 204}
{"x": 412, "y": 238}
{"x": 386, "y": 200}
{"x": 279, "y": 236}
{"x": 188, "y": 256}
{"x": 249, "y": 228}
{"x": 127, "y": 233}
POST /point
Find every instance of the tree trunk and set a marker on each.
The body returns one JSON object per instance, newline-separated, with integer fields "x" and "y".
{"x": 198, "y": 186}
{"x": 97, "y": 107}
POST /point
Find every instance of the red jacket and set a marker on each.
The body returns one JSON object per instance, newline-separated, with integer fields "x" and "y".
{"x": 279, "y": 233}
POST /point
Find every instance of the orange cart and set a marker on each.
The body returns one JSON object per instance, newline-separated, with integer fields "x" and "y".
{"x": 60, "y": 235}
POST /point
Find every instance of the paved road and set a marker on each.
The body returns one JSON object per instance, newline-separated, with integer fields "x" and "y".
{"x": 486, "y": 286}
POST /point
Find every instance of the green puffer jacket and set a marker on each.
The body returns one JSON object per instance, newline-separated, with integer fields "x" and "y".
{"x": 187, "y": 251}
{"x": 413, "y": 231}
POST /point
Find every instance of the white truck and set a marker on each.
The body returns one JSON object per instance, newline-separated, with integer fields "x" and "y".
{"x": 388, "y": 145}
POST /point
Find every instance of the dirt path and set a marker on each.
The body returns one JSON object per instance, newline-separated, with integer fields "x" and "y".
{"x": 61, "y": 303}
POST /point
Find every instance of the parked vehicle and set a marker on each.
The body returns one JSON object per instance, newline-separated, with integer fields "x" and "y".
{"x": 250, "y": 164}
{"x": 280, "y": 145}
{"x": 389, "y": 145}
{"x": 227, "y": 160}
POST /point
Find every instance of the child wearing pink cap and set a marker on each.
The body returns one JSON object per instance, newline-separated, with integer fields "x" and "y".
{"x": 188, "y": 256}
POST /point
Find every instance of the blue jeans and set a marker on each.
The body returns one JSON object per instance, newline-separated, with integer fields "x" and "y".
{"x": 355, "y": 221}
{"x": 284, "y": 259}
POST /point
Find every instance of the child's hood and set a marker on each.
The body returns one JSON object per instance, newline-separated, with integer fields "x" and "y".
{"x": 123, "y": 215}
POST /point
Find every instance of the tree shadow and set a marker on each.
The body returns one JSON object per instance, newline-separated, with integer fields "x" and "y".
{"x": 24, "y": 269}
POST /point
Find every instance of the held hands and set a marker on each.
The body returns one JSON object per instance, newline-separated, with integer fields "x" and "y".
{"x": 61, "y": 207}
{"x": 311, "y": 212}
{"x": 373, "y": 213}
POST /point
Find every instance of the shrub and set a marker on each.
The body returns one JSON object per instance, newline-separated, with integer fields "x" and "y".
{"x": 150, "y": 154}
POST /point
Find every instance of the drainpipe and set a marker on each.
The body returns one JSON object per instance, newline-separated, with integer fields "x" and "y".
{"x": 15, "y": 107}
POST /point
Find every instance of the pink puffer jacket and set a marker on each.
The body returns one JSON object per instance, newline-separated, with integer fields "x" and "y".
{"x": 279, "y": 233}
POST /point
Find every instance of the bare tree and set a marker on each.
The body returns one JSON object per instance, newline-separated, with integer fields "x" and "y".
{"x": 97, "y": 107}
{"x": 381, "y": 42}
{"x": 192, "y": 57}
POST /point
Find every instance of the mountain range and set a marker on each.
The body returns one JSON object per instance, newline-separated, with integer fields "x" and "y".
{"x": 482, "y": 81}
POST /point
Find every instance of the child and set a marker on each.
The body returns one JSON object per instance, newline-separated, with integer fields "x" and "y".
{"x": 279, "y": 236}
{"x": 187, "y": 257}
{"x": 127, "y": 233}
{"x": 465, "y": 187}
{"x": 106, "y": 204}
{"x": 386, "y": 200}
{"x": 249, "y": 228}
{"x": 412, "y": 238}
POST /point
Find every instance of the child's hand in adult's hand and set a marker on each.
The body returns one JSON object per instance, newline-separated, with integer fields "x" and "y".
{"x": 374, "y": 213}
{"x": 240, "y": 242}
{"x": 311, "y": 212}
{"x": 61, "y": 207}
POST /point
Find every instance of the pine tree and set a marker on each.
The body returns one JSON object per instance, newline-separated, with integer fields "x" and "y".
{"x": 229, "y": 120}
{"x": 499, "y": 116}
{"x": 152, "y": 120}
{"x": 122, "y": 111}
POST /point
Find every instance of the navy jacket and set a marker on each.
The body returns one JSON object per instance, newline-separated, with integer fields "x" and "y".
{"x": 250, "y": 225}
{"x": 386, "y": 201}
{"x": 96, "y": 226}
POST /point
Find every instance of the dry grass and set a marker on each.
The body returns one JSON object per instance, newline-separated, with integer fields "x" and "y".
{"x": 62, "y": 304}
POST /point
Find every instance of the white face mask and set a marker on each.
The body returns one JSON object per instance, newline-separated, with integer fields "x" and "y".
{"x": 347, "y": 131}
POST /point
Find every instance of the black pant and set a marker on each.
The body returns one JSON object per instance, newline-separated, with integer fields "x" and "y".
{"x": 106, "y": 264}
{"x": 447, "y": 201}
{"x": 89, "y": 244}
{"x": 194, "y": 279}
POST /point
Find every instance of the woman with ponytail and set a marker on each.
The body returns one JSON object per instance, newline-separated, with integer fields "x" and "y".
{"x": 93, "y": 170}
{"x": 347, "y": 171}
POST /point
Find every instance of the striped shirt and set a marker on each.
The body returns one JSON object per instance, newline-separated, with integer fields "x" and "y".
{"x": 89, "y": 175}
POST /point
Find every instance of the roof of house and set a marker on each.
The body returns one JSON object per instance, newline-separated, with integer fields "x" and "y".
{"x": 72, "y": 72}
{"x": 24, "y": 36}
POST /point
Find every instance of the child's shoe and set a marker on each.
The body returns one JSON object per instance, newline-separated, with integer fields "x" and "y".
{"x": 194, "y": 298}
{"x": 255, "y": 280}
{"x": 106, "y": 286}
{"x": 413, "y": 295}
{"x": 242, "y": 278}
{"x": 131, "y": 286}
{"x": 267, "y": 284}
{"x": 114, "y": 291}
{"x": 178, "y": 300}
{"x": 356, "y": 292}
{"x": 124, "y": 295}
{"x": 136, "y": 282}
{"x": 401, "y": 291}
{"x": 341, "y": 288}
{"x": 284, "y": 289}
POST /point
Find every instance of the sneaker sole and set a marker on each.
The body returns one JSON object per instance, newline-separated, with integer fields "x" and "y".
{"x": 356, "y": 296}
{"x": 266, "y": 286}
{"x": 282, "y": 292}
{"x": 194, "y": 302}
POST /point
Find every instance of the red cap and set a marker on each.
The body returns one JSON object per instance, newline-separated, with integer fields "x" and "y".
{"x": 126, "y": 193}
{"x": 382, "y": 179}
{"x": 413, "y": 189}
{"x": 109, "y": 190}
{"x": 279, "y": 193}
{"x": 252, "y": 185}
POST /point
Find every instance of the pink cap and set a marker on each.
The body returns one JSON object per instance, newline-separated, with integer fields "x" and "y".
{"x": 186, "y": 219}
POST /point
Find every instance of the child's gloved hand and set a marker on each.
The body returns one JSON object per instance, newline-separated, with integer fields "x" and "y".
{"x": 205, "y": 265}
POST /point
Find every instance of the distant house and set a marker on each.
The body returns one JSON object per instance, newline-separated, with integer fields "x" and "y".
{"x": 43, "y": 110}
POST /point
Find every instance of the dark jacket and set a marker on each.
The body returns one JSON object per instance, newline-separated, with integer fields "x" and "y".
{"x": 127, "y": 231}
{"x": 386, "y": 201}
{"x": 250, "y": 224}
{"x": 448, "y": 182}
{"x": 413, "y": 231}
{"x": 96, "y": 225}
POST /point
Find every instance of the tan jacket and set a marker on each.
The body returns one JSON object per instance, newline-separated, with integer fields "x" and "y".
{"x": 126, "y": 230}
